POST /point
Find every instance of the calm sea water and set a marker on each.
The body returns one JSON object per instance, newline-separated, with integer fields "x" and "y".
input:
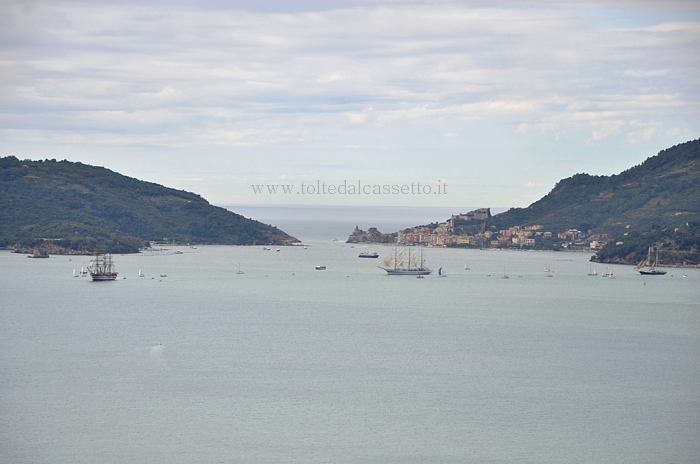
{"x": 284, "y": 363}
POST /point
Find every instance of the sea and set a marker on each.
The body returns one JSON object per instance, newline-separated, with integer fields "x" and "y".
{"x": 233, "y": 354}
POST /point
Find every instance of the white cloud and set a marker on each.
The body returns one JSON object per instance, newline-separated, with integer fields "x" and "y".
{"x": 349, "y": 80}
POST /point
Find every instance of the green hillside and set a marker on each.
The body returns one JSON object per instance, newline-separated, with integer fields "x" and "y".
{"x": 91, "y": 208}
{"x": 675, "y": 246}
{"x": 663, "y": 191}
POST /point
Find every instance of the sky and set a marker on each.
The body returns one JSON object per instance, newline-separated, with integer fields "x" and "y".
{"x": 482, "y": 103}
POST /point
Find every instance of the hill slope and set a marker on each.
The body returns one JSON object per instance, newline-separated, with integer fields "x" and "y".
{"x": 664, "y": 191}
{"x": 92, "y": 209}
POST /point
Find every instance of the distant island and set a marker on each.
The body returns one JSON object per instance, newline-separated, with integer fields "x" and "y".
{"x": 656, "y": 203}
{"x": 62, "y": 207}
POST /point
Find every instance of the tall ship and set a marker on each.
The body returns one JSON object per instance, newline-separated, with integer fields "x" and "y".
{"x": 101, "y": 268}
{"x": 650, "y": 268}
{"x": 401, "y": 263}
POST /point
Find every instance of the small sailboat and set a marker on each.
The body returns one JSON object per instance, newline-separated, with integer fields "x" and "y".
{"x": 141, "y": 273}
{"x": 466, "y": 268}
{"x": 441, "y": 274}
{"x": 239, "y": 269}
{"x": 504, "y": 276}
{"x": 546, "y": 269}
{"x": 83, "y": 271}
{"x": 592, "y": 271}
{"x": 75, "y": 273}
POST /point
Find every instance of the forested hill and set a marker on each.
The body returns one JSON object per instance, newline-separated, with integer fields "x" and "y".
{"x": 663, "y": 191}
{"x": 91, "y": 209}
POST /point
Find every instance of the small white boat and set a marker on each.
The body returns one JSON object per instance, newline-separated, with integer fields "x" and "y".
{"x": 75, "y": 273}
{"x": 320, "y": 268}
{"x": 141, "y": 273}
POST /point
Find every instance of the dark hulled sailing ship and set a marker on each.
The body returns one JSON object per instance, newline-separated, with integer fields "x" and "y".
{"x": 102, "y": 268}
{"x": 650, "y": 265}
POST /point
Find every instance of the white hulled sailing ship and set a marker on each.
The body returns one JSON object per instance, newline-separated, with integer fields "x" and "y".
{"x": 399, "y": 264}
{"x": 101, "y": 268}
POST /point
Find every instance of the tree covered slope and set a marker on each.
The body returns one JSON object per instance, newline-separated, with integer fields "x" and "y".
{"x": 663, "y": 191}
{"x": 92, "y": 209}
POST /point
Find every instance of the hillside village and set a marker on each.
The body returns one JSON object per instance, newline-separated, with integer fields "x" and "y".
{"x": 473, "y": 229}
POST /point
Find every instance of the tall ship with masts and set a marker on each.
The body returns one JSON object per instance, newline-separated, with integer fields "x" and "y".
{"x": 650, "y": 265}
{"x": 400, "y": 264}
{"x": 102, "y": 268}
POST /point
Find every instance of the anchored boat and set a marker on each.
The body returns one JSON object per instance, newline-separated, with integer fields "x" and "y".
{"x": 398, "y": 264}
{"x": 102, "y": 268}
{"x": 651, "y": 265}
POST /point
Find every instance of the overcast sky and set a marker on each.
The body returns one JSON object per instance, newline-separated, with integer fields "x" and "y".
{"x": 497, "y": 99}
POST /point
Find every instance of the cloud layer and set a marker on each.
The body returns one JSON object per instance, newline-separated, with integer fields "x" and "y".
{"x": 340, "y": 89}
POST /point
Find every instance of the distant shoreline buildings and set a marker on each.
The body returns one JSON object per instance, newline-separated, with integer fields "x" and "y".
{"x": 473, "y": 229}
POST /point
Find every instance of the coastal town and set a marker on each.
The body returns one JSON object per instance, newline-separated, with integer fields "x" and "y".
{"x": 472, "y": 230}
